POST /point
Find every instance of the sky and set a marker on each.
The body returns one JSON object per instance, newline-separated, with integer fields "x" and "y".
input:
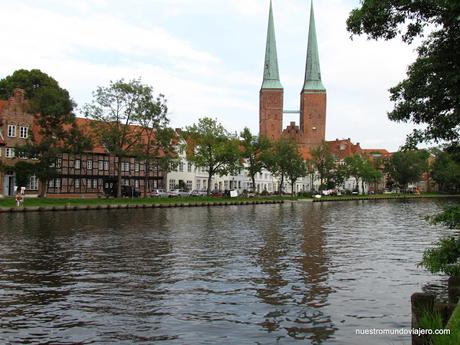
{"x": 206, "y": 57}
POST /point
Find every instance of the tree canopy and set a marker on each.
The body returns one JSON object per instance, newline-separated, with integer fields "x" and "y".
{"x": 115, "y": 109}
{"x": 406, "y": 167}
{"x": 253, "y": 148}
{"x": 57, "y": 131}
{"x": 211, "y": 147}
{"x": 430, "y": 95}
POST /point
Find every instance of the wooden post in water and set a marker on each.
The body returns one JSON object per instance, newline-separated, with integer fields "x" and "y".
{"x": 421, "y": 302}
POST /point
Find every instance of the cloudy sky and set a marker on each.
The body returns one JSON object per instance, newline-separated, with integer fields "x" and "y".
{"x": 207, "y": 57}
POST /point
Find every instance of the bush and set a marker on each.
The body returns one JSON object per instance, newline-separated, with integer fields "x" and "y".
{"x": 445, "y": 257}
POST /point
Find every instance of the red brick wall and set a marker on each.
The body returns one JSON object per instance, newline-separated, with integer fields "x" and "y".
{"x": 313, "y": 117}
{"x": 271, "y": 113}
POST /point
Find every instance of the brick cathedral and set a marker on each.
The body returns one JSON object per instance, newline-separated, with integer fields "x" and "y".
{"x": 312, "y": 115}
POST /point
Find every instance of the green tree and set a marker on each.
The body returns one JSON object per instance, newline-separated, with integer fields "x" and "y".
{"x": 155, "y": 147}
{"x": 281, "y": 159}
{"x": 115, "y": 109}
{"x": 406, "y": 167}
{"x": 338, "y": 177}
{"x": 354, "y": 166}
{"x": 323, "y": 161}
{"x": 445, "y": 170}
{"x": 369, "y": 173}
{"x": 430, "y": 93}
{"x": 253, "y": 148}
{"x": 212, "y": 147}
{"x": 296, "y": 169}
{"x": 56, "y": 130}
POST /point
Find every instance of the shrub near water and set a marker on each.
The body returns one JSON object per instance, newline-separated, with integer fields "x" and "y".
{"x": 445, "y": 257}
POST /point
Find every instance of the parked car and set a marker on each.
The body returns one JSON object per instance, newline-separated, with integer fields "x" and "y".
{"x": 178, "y": 193}
{"x": 198, "y": 193}
{"x": 159, "y": 193}
{"x": 217, "y": 194}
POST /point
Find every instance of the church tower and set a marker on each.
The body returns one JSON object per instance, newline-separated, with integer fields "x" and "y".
{"x": 313, "y": 94}
{"x": 271, "y": 92}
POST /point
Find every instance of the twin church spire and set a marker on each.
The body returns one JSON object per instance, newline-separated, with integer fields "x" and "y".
{"x": 271, "y": 78}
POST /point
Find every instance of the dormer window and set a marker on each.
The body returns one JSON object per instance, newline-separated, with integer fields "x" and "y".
{"x": 342, "y": 147}
{"x": 12, "y": 131}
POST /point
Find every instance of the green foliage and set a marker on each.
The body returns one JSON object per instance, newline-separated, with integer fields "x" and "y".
{"x": 432, "y": 319}
{"x": 253, "y": 151}
{"x": 406, "y": 167}
{"x": 445, "y": 257}
{"x": 430, "y": 93}
{"x": 323, "y": 162}
{"x": 119, "y": 106}
{"x": 449, "y": 217}
{"x": 57, "y": 131}
{"x": 24, "y": 170}
{"x": 284, "y": 160}
{"x": 155, "y": 146}
{"x": 446, "y": 171}
{"x": 210, "y": 146}
{"x": 296, "y": 169}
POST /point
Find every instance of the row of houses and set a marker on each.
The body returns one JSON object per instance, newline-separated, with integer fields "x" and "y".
{"x": 90, "y": 173}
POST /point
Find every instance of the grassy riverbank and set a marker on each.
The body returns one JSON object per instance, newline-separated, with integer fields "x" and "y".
{"x": 52, "y": 202}
{"x": 386, "y": 197}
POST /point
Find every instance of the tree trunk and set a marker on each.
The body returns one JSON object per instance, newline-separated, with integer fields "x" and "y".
{"x": 208, "y": 191}
{"x": 253, "y": 178}
{"x": 362, "y": 186}
{"x": 281, "y": 185}
{"x": 43, "y": 187}
{"x": 119, "y": 178}
{"x": 146, "y": 178}
{"x": 292, "y": 188}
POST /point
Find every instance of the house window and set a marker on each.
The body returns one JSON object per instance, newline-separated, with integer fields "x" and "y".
{"x": 9, "y": 152}
{"x": 106, "y": 165}
{"x": 77, "y": 164}
{"x": 58, "y": 162}
{"x": 136, "y": 183}
{"x": 172, "y": 184}
{"x": 189, "y": 185}
{"x": 198, "y": 184}
{"x": 89, "y": 165}
{"x": 94, "y": 183}
{"x": 11, "y": 131}
{"x": 181, "y": 166}
{"x": 101, "y": 165}
{"x": 137, "y": 167}
{"x": 125, "y": 166}
{"x": 56, "y": 183}
{"x": 189, "y": 167}
{"x": 88, "y": 183}
{"x": 77, "y": 183}
{"x": 33, "y": 183}
{"x": 24, "y": 132}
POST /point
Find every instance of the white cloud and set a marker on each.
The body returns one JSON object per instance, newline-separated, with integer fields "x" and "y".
{"x": 207, "y": 57}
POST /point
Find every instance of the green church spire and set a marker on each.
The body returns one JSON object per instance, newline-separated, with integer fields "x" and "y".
{"x": 312, "y": 71}
{"x": 271, "y": 73}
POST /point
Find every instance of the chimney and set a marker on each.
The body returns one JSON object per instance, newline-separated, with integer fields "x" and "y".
{"x": 18, "y": 96}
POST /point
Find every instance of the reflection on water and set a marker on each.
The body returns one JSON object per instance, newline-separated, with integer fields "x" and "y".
{"x": 278, "y": 274}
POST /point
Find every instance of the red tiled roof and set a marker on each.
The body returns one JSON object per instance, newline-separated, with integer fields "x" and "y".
{"x": 3, "y": 104}
{"x": 344, "y": 148}
{"x": 382, "y": 152}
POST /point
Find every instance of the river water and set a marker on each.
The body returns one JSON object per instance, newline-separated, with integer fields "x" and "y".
{"x": 298, "y": 273}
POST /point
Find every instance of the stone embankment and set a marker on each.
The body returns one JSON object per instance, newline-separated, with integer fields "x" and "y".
{"x": 133, "y": 206}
